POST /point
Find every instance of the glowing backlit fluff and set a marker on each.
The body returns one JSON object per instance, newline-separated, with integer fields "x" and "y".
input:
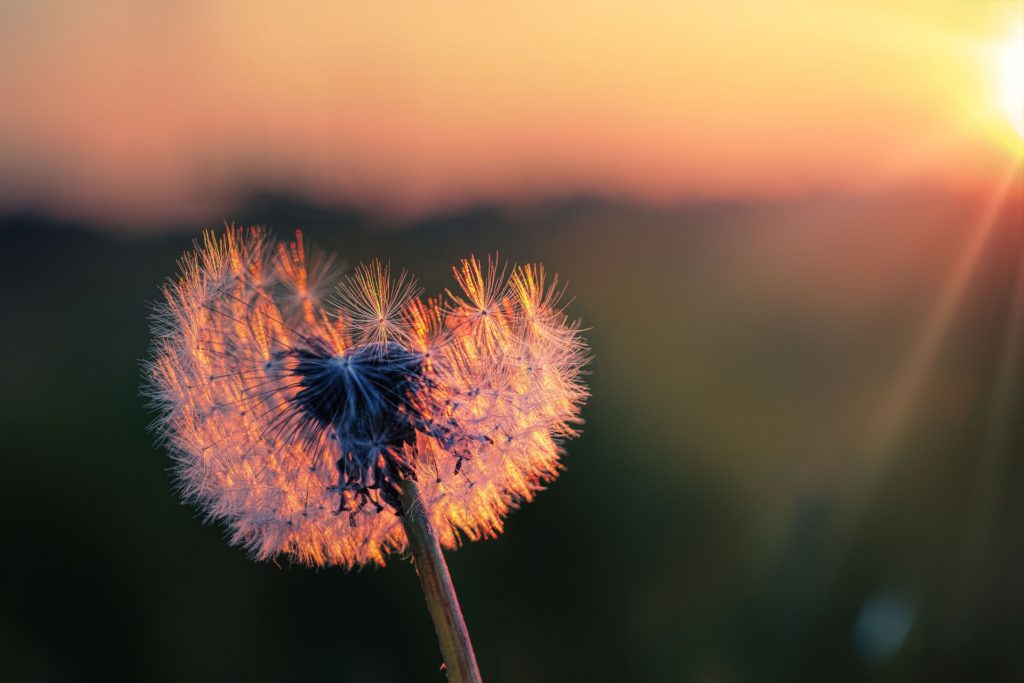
{"x": 294, "y": 419}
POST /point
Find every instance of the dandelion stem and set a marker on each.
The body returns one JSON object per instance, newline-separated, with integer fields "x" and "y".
{"x": 443, "y": 604}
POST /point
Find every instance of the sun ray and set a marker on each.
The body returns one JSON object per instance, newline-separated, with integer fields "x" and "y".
{"x": 993, "y": 461}
{"x": 898, "y": 405}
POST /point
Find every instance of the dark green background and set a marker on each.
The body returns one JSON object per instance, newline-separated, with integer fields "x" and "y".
{"x": 721, "y": 519}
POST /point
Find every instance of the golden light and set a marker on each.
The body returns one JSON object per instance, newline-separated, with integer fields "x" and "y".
{"x": 1011, "y": 82}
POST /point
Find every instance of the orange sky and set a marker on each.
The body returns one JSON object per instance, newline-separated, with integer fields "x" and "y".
{"x": 151, "y": 112}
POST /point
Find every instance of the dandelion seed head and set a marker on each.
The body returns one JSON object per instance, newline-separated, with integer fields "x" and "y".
{"x": 294, "y": 416}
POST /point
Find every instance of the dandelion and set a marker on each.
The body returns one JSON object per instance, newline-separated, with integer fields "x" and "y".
{"x": 337, "y": 429}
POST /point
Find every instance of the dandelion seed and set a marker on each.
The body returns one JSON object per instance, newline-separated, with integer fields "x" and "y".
{"x": 338, "y": 430}
{"x": 296, "y": 419}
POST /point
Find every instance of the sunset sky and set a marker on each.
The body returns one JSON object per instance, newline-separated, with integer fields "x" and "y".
{"x": 145, "y": 113}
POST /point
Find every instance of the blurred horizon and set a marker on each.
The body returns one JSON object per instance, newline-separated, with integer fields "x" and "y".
{"x": 722, "y": 517}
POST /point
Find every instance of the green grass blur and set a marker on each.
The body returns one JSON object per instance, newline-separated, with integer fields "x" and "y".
{"x": 720, "y": 519}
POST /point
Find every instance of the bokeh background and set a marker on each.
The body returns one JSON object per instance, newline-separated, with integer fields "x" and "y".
{"x": 795, "y": 232}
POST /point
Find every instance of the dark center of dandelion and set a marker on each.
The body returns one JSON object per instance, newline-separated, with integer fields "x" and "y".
{"x": 362, "y": 399}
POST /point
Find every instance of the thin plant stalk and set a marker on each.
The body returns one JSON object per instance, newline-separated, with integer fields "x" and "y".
{"x": 443, "y": 604}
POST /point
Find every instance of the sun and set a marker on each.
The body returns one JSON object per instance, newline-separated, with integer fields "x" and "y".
{"x": 1011, "y": 81}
